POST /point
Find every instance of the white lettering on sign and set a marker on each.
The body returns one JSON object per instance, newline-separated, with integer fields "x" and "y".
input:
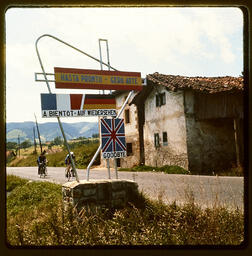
{"x": 116, "y": 154}
{"x": 78, "y": 113}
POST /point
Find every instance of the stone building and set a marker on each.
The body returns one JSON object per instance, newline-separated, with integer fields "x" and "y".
{"x": 192, "y": 122}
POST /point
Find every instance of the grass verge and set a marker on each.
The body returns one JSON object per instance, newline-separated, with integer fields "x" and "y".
{"x": 83, "y": 153}
{"x": 13, "y": 181}
{"x": 35, "y": 217}
{"x": 169, "y": 169}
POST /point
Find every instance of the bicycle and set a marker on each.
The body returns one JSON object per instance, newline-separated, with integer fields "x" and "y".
{"x": 69, "y": 173}
{"x": 42, "y": 170}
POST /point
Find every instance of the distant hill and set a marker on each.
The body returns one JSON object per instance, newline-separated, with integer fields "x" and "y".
{"x": 48, "y": 131}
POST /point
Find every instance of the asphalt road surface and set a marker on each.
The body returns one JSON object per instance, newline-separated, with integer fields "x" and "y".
{"x": 207, "y": 191}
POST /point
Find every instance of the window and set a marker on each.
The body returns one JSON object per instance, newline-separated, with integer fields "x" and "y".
{"x": 163, "y": 99}
{"x": 165, "y": 141}
{"x": 157, "y": 100}
{"x": 156, "y": 140}
{"x": 127, "y": 116}
{"x": 129, "y": 149}
{"x": 160, "y": 99}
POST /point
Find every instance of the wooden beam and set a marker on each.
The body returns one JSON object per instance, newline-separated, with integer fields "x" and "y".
{"x": 236, "y": 131}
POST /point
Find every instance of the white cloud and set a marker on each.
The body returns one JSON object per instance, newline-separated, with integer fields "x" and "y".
{"x": 185, "y": 41}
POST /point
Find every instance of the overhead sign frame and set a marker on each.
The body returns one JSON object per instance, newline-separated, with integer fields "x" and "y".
{"x": 49, "y": 90}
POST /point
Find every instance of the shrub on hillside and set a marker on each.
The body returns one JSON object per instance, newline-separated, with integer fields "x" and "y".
{"x": 83, "y": 153}
{"x": 13, "y": 181}
{"x": 30, "y": 195}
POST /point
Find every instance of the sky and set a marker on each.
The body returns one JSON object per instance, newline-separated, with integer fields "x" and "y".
{"x": 173, "y": 41}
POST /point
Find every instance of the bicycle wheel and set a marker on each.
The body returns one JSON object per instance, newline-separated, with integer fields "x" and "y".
{"x": 68, "y": 175}
{"x": 40, "y": 171}
{"x": 43, "y": 171}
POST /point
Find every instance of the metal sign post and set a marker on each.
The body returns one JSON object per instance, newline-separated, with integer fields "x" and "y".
{"x": 40, "y": 144}
{"x": 116, "y": 168}
{"x": 108, "y": 167}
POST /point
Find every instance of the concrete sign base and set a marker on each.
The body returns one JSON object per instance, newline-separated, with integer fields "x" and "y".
{"x": 99, "y": 193}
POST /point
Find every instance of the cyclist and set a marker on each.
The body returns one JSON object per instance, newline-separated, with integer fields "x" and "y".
{"x": 68, "y": 163}
{"x": 41, "y": 161}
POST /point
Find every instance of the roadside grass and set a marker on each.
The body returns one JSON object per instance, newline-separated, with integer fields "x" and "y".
{"x": 13, "y": 181}
{"x": 35, "y": 217}
{"x": 174, "y": 169}
{"x": 30, "y": 160}
{"x": 169, "y": 169}
{"x": 83, "y": 153}
{"x": 28, "y": 196}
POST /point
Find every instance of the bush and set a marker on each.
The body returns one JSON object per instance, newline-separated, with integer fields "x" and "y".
{"x": 11, "y": 145}
{"x": 25, "y": 144}
{"x": 173, "y": 169}
{"x": 169, "y": 169}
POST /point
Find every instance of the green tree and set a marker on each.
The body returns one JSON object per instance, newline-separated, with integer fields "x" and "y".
{"x": 57, "y": 141}
{"x": 25, "y": 144}
{"x": 11, "y": 145}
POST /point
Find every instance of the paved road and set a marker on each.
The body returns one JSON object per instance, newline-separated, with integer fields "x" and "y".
{"x": 204, "y": 190}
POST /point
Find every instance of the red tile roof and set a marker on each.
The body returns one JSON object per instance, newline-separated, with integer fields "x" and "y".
{"x": 204, "y": 84}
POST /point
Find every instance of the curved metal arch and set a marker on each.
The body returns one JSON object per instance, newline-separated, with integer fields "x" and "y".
{"x": 71, "y": 46}
{"x": 47, "y": 83}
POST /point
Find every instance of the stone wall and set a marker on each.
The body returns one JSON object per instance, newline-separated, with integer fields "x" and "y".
{"x": 210, "y": 142}
{"x": 169, "y": 118}
{"x": 100, "y": 193}
{"x": 211, "y": 145}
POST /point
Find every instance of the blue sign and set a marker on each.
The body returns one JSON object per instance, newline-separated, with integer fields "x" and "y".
{"x": 113, "y": 138}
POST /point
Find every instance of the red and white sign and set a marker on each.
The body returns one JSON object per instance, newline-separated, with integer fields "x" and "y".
{"x": 77, "y": 105}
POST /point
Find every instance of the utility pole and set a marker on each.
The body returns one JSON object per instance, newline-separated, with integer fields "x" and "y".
{"x": 18, "y": 146}
{"x": 35, "y": 145}
{"x": 38, "y": 134}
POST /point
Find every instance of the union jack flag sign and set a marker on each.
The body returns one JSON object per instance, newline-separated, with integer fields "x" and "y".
{"x": 113, "y": 138}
